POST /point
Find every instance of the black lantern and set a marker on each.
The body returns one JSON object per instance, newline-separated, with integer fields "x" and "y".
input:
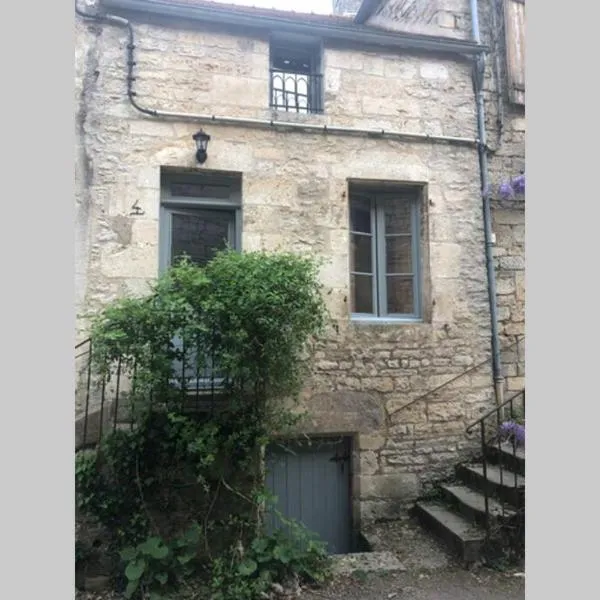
{"x": 201, "y": 140}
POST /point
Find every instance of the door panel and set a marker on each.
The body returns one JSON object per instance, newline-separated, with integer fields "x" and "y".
{"x": 312, "y": 483}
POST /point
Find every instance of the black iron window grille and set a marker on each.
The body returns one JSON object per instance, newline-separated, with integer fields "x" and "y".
{"x": 295, "y": 80}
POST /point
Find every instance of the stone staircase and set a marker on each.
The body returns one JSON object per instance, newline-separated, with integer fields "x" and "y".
{"x": 457, "y": 512}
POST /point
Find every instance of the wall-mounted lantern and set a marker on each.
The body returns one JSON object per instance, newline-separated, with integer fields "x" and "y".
{"x": 201, "y": 140}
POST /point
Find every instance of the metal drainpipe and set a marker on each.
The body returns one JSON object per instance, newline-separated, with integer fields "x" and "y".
{"x": 478, "y": 75}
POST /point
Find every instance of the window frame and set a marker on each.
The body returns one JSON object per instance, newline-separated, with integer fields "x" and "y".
{"x": 378, "y": 254}
{"x": 314, "y": 50}
{"x": 170, "y": 204}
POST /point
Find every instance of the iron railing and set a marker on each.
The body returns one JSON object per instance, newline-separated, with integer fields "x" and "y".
{"x": 296, "y": 92}
{"x": 106, "y": 401}
{"x": 491, "y": 433}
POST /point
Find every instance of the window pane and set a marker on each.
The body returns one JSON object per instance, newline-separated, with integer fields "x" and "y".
{"x": 200, "y": 234}
{"x": 398, "y": 254}
{"x": 362, "y": 293}
{"x": 400, "y": 295}
{"x": 200, "y": 190}
{"x": 397, "y": 215}
{"x": 360, "y": 215}
{"x": 360, "y": 254}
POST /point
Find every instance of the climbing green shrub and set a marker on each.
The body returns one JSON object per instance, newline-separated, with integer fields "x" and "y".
{"x": 175, "y": 472}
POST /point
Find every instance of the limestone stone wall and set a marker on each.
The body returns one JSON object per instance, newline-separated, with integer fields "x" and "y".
{"x": 509, "y": 226}
{"x": 505, "y": 126}
{"x": 295, "y": 196}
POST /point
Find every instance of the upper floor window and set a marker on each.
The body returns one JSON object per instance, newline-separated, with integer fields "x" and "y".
{"x": 296, "y": 80}
{"x": 385, "y": 265}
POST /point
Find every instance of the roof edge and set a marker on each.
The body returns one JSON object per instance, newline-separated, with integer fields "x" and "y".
{"x": 356, "y": 33}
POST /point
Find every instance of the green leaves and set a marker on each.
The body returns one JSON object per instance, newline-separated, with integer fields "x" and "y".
{"x": 281, "y": 554}
{"x": 153, "y": 564}
{"x": 128, "y": 554}
{"x": 135, "y": 569}
{"x": 154, "y": 547}
{"x": 162, "y": 578}
{"x": 247, "y": 567}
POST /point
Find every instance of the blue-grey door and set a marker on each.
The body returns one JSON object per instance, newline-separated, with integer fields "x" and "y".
{"x": 312, "y": 482}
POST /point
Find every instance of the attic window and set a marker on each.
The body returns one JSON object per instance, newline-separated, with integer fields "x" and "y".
{"x": 296, "y": 80}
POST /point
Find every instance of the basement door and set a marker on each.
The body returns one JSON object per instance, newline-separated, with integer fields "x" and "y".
{"x": 312, "y": 482}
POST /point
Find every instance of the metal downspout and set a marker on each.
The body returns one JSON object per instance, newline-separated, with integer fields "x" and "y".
{"x": 478, "y": 76}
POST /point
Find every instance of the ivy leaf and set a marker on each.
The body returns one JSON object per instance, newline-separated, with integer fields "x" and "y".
{"x": 280, "y": 554}
{"x": 128, "y": 554}
{"x": 155, "y": 596}
{"x": 259, "y": 545}
{"x": 161, "y": 578}
{"x": 131, "y": 588}
{"x": 135, "y": 569}
{"x": 154, "y": 547}
{"x": 247, "y": 567}
{"x": 185, "y": 558}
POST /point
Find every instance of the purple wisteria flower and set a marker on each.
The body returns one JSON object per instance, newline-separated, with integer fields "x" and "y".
{"x": 509, "y": 189}
{"x": 506, "y": 191}
{"x": 509, "y": 431}
{"x": 518, "y": 184}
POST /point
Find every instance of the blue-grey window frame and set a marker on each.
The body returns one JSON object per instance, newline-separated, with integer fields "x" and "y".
{"x": 379, "y": 287}
{"x": 169, "y": 204}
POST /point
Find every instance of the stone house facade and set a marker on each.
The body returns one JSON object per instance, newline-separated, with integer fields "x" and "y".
{"x": 366, "y": 154}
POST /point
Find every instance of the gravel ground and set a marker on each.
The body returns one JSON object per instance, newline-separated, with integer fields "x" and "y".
{"x": 415, "y": 548}
{"x": 431, "y": 572}
{"x": 443, "y": 584}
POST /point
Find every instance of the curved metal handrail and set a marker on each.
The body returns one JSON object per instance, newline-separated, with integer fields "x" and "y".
{"x": 455, "y": 378}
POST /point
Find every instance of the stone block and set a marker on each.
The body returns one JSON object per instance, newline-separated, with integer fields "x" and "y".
{"x": 370, "y": 442}
{"x": 344, "y": 411}
{"x": 399, "y": 486}
{"x": 369, "y": 463}
{"x": 512, "y": 263}
{"x": 434, "y": 71}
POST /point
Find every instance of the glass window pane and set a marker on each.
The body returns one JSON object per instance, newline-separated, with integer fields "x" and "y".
{"x": 400, "y": 295}
{"x": 360, "y": 254}
{"x": 200, "y": 234}
{"x": 361, "y": 290}
{"x": 200, "y": 190}
{"x": 360, "y": 215}
{"x": 397, "y": 215}
{"x": 398, "y": 254}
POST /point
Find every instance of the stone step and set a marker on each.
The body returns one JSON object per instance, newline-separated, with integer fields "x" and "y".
{"x": 500, "y": 481}
{"x": 470, "y": 503}
{"x": 513, "y": 458}
{"x": 464, "y": 537}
